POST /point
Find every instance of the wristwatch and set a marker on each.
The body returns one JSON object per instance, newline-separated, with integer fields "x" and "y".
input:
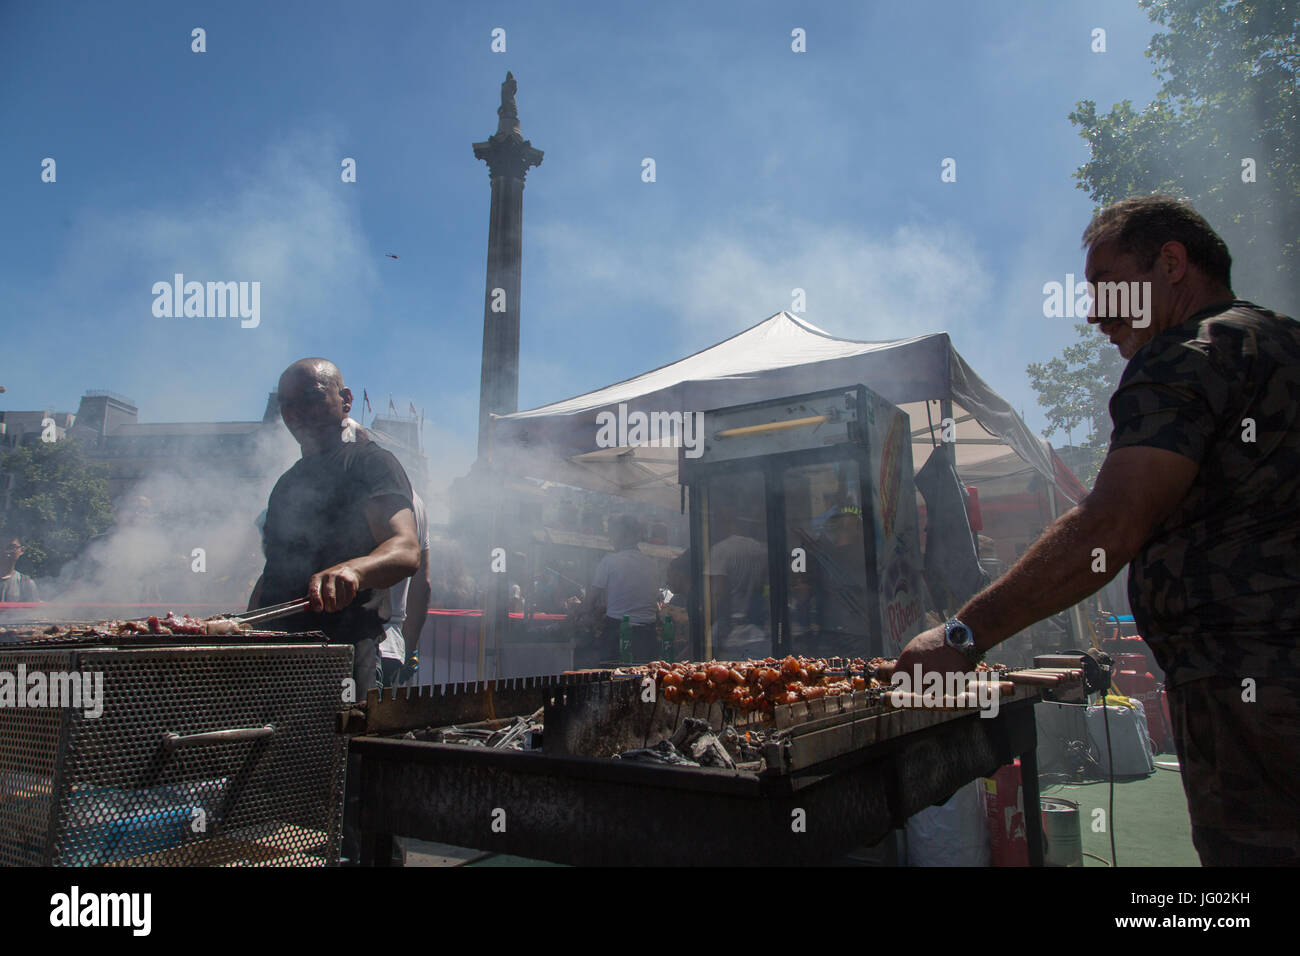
{"x": 959, "y": 637}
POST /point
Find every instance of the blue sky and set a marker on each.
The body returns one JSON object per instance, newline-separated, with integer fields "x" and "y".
{"x": 775, "y": 170}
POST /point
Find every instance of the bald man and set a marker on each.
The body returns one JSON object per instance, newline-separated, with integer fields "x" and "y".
{"x": 339, "y": 528}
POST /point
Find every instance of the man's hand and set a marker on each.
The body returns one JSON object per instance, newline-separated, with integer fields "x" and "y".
{"x": 397, "y": 556}
{"x": 929, "y": 650}
{"x": 334, "y": 588}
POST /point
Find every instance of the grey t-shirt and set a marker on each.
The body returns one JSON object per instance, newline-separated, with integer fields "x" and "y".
{"x": 628, "y": 578}
{"x": 17, "y": 588}
{"x": 743, "y": 562}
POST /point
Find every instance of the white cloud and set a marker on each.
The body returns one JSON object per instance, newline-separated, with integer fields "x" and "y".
{"x": 858, "y": 284}
{"x": 287, "y": 222}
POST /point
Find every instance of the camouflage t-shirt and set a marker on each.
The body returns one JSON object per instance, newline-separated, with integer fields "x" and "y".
{"x": 1216, "y": 589}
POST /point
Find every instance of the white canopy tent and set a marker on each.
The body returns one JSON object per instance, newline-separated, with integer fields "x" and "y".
{"x": 783, "y": 355}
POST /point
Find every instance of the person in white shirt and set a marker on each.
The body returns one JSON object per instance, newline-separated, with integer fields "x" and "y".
{"x": 15, "y": 586}
{"x": 409, "y": 601}
{"x": 625, "y": 582}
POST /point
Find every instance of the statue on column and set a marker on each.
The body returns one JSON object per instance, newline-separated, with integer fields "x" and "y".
{"x": 508, "y": 111}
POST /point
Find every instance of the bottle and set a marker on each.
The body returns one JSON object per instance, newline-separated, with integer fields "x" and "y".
{"x": 625, "y": 641}
{"x": 667, "y": 636}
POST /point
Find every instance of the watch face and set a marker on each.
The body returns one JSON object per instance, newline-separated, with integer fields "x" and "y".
{"x": 959, "y": 634}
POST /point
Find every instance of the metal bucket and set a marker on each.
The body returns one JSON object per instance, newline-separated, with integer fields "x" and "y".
{"x": 1062, "y": 842}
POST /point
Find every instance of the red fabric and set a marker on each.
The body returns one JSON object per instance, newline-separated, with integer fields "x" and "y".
{"x": 1066, "y": 481}
{"x": 973, "y": 513}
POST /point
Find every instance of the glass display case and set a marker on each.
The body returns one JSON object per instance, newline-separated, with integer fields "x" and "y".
{"x": 804, "y": 532}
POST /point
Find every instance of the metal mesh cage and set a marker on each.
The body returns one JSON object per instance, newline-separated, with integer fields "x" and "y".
{"x": 202, "y": 755}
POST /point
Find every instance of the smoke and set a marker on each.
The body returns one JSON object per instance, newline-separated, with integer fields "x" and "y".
{"x": 184, "y": 537}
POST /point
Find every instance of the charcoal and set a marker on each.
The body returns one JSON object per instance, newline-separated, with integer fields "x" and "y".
{"x": 688, "y": 731}
{"x": 708, "y": 750}
{"x": 663, "y": 753}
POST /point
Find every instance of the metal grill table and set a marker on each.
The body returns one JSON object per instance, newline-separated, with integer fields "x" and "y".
{"x": 597, "y": 811}
{"x": 208, "y": 752}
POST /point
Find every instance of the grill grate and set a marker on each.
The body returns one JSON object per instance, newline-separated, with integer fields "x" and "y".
{"x": 207, "y": 755}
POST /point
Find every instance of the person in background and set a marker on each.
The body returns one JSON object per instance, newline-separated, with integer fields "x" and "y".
{"x": 737, "y": 575}
{"x": 409, "y": 600}
{"x": 451, "y": 586}
{"x": 544, "y": 592}
{"x": 624, "y": 583}
{"x": 15, "y": 587}
{"x": 838, "y": 578}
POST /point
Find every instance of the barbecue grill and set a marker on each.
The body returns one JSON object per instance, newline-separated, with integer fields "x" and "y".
{"x": 836, "y": 773}
{"x": 208, "y": 751}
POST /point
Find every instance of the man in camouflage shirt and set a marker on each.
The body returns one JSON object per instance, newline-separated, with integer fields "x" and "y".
{"x": 1199, "y": 493}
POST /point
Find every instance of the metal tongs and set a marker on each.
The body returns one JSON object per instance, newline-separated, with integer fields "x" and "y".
{"x": 272, "y": 613}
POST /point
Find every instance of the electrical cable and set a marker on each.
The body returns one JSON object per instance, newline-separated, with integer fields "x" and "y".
{"x": 1110, "y": 754}
{"x": 1097, "y": 858}
{"x": 1104, "y": 660}
{"x": 1169, "y": 731}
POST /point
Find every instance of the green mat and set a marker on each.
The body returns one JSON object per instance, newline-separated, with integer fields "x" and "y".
{"x": 1151, "y": 824}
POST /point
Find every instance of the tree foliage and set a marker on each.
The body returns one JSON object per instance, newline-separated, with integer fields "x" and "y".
{"x": 1075, "y": 387}
{"x": 1229, "y": 94}
{"x": 58, "y": 501}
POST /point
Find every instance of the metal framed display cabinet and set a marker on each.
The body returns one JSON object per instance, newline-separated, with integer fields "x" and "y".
{"x": 806, "y": 508}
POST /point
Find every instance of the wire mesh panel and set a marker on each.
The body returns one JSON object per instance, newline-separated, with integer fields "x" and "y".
{"x": 196, "y": 755}
{"x": 29, "y": 745}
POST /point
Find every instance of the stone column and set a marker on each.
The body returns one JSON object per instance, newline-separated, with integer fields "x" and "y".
{"x": 509, "y": 157}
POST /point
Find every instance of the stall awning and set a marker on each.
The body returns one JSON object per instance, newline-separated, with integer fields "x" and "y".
{"x": 783, "y": 355}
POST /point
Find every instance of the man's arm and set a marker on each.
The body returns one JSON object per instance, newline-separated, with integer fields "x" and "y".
{"x": 1137, "y": 489}
{"x": 396, "y": 556}
{"x": 417, "y": 606}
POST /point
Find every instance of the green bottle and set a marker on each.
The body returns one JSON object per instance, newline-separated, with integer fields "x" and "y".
{"x": 625, "y": 641}
{"x": 667, "y": 637}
